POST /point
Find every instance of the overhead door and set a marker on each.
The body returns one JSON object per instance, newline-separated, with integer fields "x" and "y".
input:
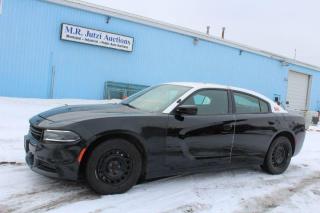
{"x": 297, "y": 93}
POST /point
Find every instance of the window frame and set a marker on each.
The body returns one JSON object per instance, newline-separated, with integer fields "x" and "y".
{"x": 234, "y": 109}
{"x": 230, "y": 109}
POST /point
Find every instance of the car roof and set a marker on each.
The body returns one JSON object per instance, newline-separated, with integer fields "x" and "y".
{"x": 200, "y": 85}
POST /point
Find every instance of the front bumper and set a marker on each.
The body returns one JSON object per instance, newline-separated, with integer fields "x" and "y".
{"x": 52, "y": 159}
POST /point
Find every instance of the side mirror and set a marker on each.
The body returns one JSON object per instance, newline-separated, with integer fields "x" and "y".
{"x": 187, "y": 110}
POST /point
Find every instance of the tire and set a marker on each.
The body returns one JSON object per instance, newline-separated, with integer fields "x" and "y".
{"x": 113, "y": 167}
{"x": 278, "y": 157}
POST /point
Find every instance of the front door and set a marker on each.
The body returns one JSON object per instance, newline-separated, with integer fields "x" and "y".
{"x": 204, "y": 137}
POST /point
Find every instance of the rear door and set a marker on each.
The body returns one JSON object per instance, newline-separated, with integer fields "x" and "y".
{"x": 255, "y": 126}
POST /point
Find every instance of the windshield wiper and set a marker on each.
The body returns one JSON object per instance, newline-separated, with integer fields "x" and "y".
{"x": 129, "y": 105}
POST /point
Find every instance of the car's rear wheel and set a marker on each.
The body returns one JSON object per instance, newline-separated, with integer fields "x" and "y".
{"x": 113, "y": 167}
{"x": 279, "y": 156}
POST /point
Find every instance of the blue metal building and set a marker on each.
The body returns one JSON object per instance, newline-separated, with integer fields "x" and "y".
{"x": 38, "y": 59}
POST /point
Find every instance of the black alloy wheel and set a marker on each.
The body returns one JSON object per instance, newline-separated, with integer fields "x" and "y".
{"x": 113, "y": 167}
{"x": 279, "y": 156}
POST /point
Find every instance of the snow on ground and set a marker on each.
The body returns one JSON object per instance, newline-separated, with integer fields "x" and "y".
{"x": 240, "y": 190}
{"x": 315, "y": 128}
{"x": 15, "y": 114}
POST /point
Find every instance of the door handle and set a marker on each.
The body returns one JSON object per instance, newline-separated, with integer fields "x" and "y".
{"x": 227, "y": 127}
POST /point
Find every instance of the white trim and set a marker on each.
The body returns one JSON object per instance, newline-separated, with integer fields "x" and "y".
{"x": 58, "y": 131}
{"x": 174, "y": 28}
{"x": 177, "y": 102}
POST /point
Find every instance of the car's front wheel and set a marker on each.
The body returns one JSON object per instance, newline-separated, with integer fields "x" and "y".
{"x": 279, "y": 156}
{"x": 113, "y": 167}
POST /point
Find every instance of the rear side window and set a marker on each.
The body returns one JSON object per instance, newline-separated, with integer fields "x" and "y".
{"x": 209, "y": 102}
{"x": 248, "y": 104}
{"x": 264, "y": 106}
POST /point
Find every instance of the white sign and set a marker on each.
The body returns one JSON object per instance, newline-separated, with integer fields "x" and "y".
{"x": 95, "y": 37}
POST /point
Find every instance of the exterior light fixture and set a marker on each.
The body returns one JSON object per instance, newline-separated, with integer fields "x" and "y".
{"x": 195, "y": 41}
{"x": 108, "y": 19}
{"x": 284, "y": 63}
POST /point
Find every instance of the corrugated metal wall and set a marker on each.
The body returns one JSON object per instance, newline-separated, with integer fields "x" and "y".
{"x": 31, "y": 46}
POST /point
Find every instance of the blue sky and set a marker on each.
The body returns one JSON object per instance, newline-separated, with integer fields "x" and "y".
{"x": 273, "y": 25}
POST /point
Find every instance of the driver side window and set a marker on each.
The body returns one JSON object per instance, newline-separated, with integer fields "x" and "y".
{"x": 209, "y": 102}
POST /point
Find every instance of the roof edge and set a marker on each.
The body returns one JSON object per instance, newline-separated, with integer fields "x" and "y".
{"x": 79, "y": 4}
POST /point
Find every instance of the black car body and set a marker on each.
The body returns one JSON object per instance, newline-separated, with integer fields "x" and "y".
{"x": 172, "y": 141}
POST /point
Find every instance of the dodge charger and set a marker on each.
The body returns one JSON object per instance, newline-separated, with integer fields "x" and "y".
{"x": 164, "y": 130}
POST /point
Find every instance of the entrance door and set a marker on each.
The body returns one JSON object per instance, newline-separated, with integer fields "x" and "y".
{"x": 297, "y": 93}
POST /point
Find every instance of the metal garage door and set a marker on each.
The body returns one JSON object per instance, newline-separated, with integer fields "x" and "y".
{"x": 297, "y": 93}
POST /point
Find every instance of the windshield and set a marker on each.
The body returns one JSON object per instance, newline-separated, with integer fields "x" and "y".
{"x": 156, "y": 99}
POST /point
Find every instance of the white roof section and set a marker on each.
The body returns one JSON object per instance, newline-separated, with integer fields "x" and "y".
{"x": 199, "y": 85}
{"x": 79, "y": 4}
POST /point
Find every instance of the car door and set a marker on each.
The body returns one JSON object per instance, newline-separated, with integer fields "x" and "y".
{"x": 205, "y": 136}
{"x": 255, "y": 126}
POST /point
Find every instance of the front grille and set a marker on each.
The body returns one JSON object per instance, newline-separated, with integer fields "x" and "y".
{"x": 36, "y": 132}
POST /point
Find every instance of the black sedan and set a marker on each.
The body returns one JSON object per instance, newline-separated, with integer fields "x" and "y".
{"x": 165, "y": 130}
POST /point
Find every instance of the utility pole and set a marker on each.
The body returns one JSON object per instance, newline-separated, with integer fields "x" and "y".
{"x": 208, "y": 30}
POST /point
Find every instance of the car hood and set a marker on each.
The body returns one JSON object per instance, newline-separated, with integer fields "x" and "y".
{"x": 84, "y": 112}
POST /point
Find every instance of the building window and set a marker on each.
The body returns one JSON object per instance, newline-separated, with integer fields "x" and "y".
{"x": 119, "y": 90}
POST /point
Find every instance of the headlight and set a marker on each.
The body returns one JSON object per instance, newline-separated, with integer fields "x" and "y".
{"x": 60, "y": 136}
